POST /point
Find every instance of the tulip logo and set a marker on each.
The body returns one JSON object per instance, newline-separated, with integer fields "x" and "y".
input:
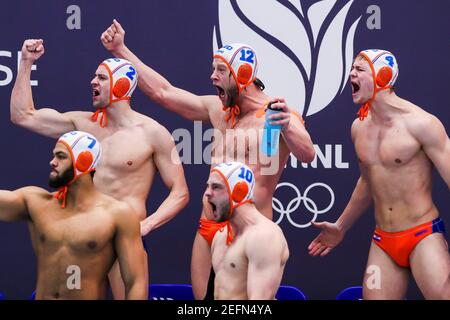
{"x": 305, "y": 53}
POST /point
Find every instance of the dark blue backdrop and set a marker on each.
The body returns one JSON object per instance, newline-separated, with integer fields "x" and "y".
{"x": 176, "y": 38}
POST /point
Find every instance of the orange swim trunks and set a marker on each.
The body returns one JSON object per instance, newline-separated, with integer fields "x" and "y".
{"x": 399, "y": 245}
{"x": 209, "y": 228}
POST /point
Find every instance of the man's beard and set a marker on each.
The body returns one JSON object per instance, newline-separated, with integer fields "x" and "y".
{"x": 232, "y": 97}
{"x": 62, "y": 179}
{"x": 224, "y": 213}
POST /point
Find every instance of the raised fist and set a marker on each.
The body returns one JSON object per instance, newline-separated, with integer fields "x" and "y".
{"x": 113, "y": 37}
{"x": 32, "y": 49}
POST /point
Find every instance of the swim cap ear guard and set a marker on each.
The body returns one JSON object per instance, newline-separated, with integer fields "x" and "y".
{"x": 85, "y": 152}
{"x": 384, "y": 67}
{"x": 239, "y": 180}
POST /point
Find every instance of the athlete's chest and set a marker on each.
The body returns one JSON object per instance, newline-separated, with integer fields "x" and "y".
{"x": 241, "y": 143}
{"x": 387, "y": 146}
{"x": 230, "y": 259}
{"x": 125, "y": 150}
{"x": 86, "y": 232}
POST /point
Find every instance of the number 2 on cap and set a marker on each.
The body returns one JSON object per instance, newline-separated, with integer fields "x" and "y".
{"x": 130, "y": 74}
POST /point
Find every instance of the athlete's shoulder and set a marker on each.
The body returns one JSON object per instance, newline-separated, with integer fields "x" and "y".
{"x": 80, "y": 119}
{"x": 157, "y": 134}
{"x": 35, "y": 191}
{"x": 34, "y": 194}
{"x": 425, "y": 127}
{"x": 149, "y": 124}
{"x": 124, "y": 216}
{"x": 213, "y": 105}
{"x": 79, "y": 115}
{"x": 265, "y": 229}
{"x": 357, "y": 126}
{"x": 211, "y": 101}
{"x": 116, "y": 208}
{"x": 275, "y": 229}
{"x": 418, "y": 117}
{"x": 265, "y": 237}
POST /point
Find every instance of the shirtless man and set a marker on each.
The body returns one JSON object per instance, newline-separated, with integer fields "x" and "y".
{"x": 78, "y": 232}
{"x": 397, "y": 144}
{"x": 135, "y": 146}
{"x": 243, "y": 101}
{"x": 250, "y": 266}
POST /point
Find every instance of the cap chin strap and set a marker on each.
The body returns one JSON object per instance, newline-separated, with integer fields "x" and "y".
{"x": 104, "y": 114}
{"x": 363, "y": 112}
{"x": 232, "y": 113}
{"x": 61, "y": 194}
{"x": 230, "y": 235}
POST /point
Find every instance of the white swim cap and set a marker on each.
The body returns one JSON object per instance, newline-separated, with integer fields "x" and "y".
{"x": 85, "y": 151}
{"x": 239, "y": 180}
{"x": 242, "y": 61}
{"x": 384, "y": 66}
{"x": 123, "y": 78}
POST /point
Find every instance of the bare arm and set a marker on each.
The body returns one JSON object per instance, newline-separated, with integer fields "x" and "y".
{"x": 436, "y": 145}
{"x": 267, "y": 257}
{"x": 171, "y": 170}
{"x": 13, "y": 206}
{"x": 332, "y": 233}
{"x": 360, "y": 201}
{"x": 293, "y": 131}
{"x": 154, "y": 85}
{"x": 131, "y": 255}
{"x": 47, "y": 122}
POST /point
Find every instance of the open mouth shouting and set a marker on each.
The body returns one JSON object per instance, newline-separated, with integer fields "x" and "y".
{"x": 220, "y": 93}
{"x": 355, "y": 88}
{"x": 95, "y": 93}
{"x": 213, "y": 207}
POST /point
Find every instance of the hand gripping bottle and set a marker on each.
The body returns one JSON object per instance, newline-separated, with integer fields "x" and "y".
{"x": 271, "y": 134}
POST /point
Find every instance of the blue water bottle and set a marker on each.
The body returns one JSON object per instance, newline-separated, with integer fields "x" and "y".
{"x": 271, "y": 133}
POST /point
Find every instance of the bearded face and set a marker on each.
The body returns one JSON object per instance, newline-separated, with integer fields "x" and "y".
{"x": 60, "y": 179}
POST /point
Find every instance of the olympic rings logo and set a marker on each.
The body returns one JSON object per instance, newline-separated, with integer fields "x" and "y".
{"x": 293, "y": 204}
